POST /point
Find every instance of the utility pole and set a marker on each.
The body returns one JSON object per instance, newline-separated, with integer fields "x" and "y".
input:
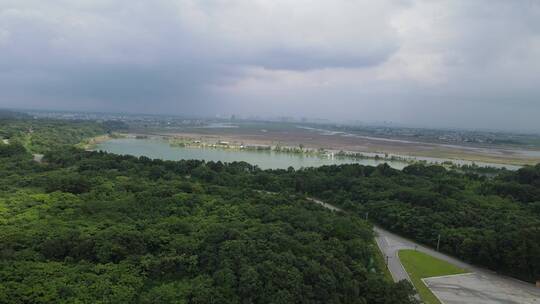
{"x": 438, "y": 242}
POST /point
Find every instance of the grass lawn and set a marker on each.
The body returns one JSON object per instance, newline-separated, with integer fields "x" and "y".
{"x": 420, "y": 265}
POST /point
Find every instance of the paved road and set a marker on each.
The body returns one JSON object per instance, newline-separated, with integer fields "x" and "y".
{"x": 325, "y": 205}
{"x": 388, "y": 243}
{"x": 389, "y": 247}
{"x": 480, "y": 286}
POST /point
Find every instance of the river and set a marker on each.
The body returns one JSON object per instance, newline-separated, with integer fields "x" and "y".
{"x": 158, "y": 148}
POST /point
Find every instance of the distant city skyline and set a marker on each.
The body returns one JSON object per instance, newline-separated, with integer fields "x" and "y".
{"x": 439, "y": 64}
{"x": 96, "y": 115}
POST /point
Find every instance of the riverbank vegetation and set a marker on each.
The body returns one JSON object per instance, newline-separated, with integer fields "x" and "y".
{"x": 420, "y": 266}
{"x": 92, "y": 142}
{"x": 226, "y": 145}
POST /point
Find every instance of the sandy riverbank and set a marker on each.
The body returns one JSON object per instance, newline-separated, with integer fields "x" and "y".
{"x": 91, "y": 143}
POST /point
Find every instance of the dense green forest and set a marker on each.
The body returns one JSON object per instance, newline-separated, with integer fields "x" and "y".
{"x": 492, "y": 222}
{"x": 90, "y": 227}
{"x": 96, "y": 227}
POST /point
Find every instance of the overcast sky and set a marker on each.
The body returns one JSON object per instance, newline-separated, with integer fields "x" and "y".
{"x": 469, "y": 63}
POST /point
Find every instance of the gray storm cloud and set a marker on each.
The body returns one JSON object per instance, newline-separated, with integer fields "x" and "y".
{"x": 441, "y": 63}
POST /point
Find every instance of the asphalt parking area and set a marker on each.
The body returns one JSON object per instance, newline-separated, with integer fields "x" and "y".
{"x": 474, "y": 288}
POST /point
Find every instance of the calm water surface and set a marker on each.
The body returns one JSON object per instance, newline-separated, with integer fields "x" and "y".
{"x": 155, "y": 148}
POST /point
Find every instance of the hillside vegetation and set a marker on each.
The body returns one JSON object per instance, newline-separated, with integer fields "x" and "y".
{"x": 492, "y": 222}
{"x": 89, "y": 227}
{"x": 42, "y": 135}
{"x": 93, "y": 227}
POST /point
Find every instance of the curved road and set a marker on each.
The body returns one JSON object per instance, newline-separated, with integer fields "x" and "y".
{"x": 480, "y": 286}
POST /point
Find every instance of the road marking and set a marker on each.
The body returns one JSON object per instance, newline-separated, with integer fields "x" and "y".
{"x": 451, "y": 275}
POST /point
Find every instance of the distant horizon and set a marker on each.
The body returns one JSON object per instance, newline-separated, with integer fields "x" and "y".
{"x": 432, "y": 64}
{"x": 277, "y": 119}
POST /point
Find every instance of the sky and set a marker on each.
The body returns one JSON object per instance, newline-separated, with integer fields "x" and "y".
{"x": 436, "y": 63}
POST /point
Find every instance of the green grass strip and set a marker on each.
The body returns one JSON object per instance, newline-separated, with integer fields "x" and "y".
{"x": 420, "y": 265}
